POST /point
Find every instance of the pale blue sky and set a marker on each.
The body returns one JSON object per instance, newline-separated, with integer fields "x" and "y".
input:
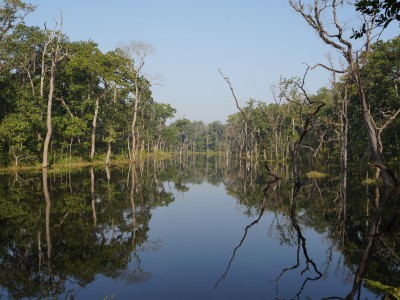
{"x": 254, "y": 42}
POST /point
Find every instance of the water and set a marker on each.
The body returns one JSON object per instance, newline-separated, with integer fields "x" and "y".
{"x": 194, "y": 230}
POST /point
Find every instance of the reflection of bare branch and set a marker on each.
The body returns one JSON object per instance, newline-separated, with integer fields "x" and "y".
{"x": 301, "y": 240}
{"x": 301, "y": 244}
{"x": 263, "y": 207}
{"x": 240, "y": 244}
{"x": 295, "y": 266}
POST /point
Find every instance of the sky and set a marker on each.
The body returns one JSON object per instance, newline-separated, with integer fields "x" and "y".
{"x": 253, "y": 42}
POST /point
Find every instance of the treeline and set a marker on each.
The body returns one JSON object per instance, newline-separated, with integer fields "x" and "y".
{"x": 83, "y": 102}
{"x": 279, "y": 125}
{"x": 69, "y": 100}
{"x": 80, "y": 103}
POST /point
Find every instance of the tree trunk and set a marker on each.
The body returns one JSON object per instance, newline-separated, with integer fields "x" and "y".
{"x": 94, "y": 125}
{"x": 45, "y": 163}
{"x": 344, "y": 133}
{"x": 70, "y": 151}
{"x": 93, "y": 197}
{"x": 374, "y": 138}
{"x": 108, "y": 154}
{"x": 133, "y": 131}
{"x": 206, "y": 144}
{"x": 55, "y": 51}
{"x": 133, "y": 186}
{"x": 48, "y": 208}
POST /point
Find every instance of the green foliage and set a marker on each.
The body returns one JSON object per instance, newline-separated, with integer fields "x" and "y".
{"x": 75, "y": 128}
{"x": 95, "y": 93}
{"x": 383, "y": 13}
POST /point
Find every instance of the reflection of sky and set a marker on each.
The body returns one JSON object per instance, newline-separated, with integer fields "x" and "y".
{"x": 195, "y": 237}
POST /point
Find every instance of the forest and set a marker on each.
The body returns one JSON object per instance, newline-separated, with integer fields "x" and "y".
{"x": 106, "y": 192}
{"x": 65, "y": 102}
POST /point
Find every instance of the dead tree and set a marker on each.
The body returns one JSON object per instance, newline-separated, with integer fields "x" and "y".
{"x": 332, "y": 33}
{"x": 253, "y": 130}
{"x": 293, "y": 91}
{"x": 55, "y": 56}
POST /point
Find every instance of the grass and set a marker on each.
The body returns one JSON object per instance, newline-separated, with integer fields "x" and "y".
{"x": 61, "y": 166}
{"x": 316, "y": 174}
{"x": 79, "y": 162}
{"x": 369, "y": 181}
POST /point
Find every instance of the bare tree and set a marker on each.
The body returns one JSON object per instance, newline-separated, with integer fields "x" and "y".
{"x": 253, "y": 129}
{"x": 137, "y": 52}
{"x": 55, "y": 56}
{"x": 293, "y": 91}
{"x": 322, "y": 16}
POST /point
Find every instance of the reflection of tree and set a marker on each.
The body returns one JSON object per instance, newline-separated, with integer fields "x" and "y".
{"x": 135, "y": 274}
{"x": 93, "y": 197}
{"x": 180, "y": 187}
{"x": 262, "y": 210}
{"x": 27, "y": 266}
{"x": 48, "y": 207}
{"x": 356, "y": 226}
{"x": 301, "y": 243}
{"x": 196, "y": 170}
{"x": 288, "y": 92}
{"x": 54, "y": 248}
{"x": 380, "y": 243}
{"x": 331, "y": 207}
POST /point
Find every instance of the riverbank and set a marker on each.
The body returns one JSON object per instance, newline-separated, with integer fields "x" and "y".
{"x": 77, "y": 162}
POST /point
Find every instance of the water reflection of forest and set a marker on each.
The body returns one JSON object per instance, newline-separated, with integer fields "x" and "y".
{"x": 109, "y": 209}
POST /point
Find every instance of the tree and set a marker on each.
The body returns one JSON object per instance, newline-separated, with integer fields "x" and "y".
{"x": 216, "y": 130}
{"x": 20, "y": 100}
{"x": 89, "y": 71}
{"x": 55, "y": 41}
{"x": 12, "y": 12}
{"x": 160, "y": 113}
{"x": 16, "y": 131}
{"x": 382, "y": 12}
{"x": 136, "y": 52}
{"x": 306, "y": 108}
{"x": 335, "y": 37}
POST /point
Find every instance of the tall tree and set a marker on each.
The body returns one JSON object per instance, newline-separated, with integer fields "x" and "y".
{"x": 137, "y": 52}
{"x": 55, "y": 39}
{"x": 335, "y": 36}
{"x": 86, "y": 69}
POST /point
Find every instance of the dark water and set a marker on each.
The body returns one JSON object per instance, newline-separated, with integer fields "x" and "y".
{"x": 194, "y": 230}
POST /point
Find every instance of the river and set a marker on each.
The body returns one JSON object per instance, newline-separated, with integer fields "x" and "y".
{"x": 196, "y": 229}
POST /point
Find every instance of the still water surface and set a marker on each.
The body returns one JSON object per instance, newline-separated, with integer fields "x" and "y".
{"x": 189, "y": 231}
